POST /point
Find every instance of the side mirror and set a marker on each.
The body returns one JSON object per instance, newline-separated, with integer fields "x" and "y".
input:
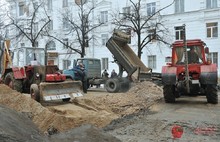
{"x": 207, "y": 50}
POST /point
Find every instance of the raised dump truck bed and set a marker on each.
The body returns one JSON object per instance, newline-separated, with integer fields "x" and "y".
{"x": 126, "y": 58}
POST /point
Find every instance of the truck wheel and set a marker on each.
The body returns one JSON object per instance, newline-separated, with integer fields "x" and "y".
{"x": 168, "y": 94}
{"x": 211, "y": 94}
{"x": 112, "y": 85}
{"x": 15, "y": 84}
{"x": 125, "y": 84}
{"x": 35, "y": 93}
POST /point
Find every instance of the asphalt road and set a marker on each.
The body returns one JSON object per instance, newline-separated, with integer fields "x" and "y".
{"x": 200, "y": 122}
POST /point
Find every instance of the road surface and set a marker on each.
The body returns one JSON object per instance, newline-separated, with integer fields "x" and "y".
{"x": 200, "y": 122}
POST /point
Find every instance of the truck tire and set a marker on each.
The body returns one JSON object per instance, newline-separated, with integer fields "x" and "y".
{"x": 168, "y": 94}
{"x": 15, "y": 84}
{"x": 125, "y": 84}
{"x": 112, "y": 85}
{"x": 211, "y": 94}
{"x": 35, "y": 93}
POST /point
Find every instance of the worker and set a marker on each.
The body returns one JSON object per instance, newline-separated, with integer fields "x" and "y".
{"x": 82, "y": 75}
{"x": 105, "y": 74}
{"x": 192, "y": 56}
{"x": 113, "y": 74}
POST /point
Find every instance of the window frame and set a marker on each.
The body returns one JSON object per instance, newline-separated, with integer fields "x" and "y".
{"x": 65, "y": 3}
{"x": 211, "y": 4}
{"x": 126, "y": 11}
{"x": 66, "y": 42}
{"x": 66, "y": 64}
{"x": 104, "y": 16}
{"x": 179, "y": 6}
{"x": 152, "y": 34}
{"x": 180, "y": 31}
{"x": 21, "y": 6}
{"x": 105, "y": 64}
{"x": 213, "y": 29}
{"x": 152, "y": 61}
{"x": 214, "y": 57}
{"x": 151, "y": 8}
{"x": 49, "y": 5}
{"x": 104, "y": 38}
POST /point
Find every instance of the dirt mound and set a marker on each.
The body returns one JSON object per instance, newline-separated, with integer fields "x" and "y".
{"x": 14, "y": 128}
{"x": 98, "y": 109}
{"x": 141, "y": 95}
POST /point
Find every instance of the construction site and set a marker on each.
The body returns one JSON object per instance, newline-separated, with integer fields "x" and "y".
{"x": 41, "y": 103}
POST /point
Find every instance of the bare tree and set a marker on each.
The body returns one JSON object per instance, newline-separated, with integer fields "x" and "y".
{"x": 132, "y": 19}
{"x": 79, "y": 24}
{"x": 33, "y": 25}
{"x": 3, "y": 20}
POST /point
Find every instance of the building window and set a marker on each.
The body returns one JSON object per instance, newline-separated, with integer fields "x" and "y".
{"x": 152, "y": 35}
{"x": 22, "y": 44}
{"x": 213, "y": 56}
{"x": 79, "y": 2}
{"x": 51, "y": 45}
{"x": 104, "y": 16}
{"x": 36, "y": 44}
{"x": 65, "y": 3}
{"x": 50, "y": 25}
{"x": 151, "y": 8}
{"x": 35, "y": 5}
{"x": 35, "y": 27}
{"x": 152, "y": 61}
{"x": 65, "y": 43}
{"x": 104, "y": 38}
{"x": 104, "y": 63}
{"x": 21, "y": 8}
{"x": 212, "y": 29}
{"x": 49, "y": 4}
{"x": 168, "y": 59}
{"x": 179, "y": 6}
{"x": 179, "y": 33}
{"x": 126, "y": 12}
{"x": 65, "y": 24}
{"x": 211, "y": 4}
{"x": 66, "y": 64}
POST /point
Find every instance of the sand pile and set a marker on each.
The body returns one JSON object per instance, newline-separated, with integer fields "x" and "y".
{"x": 98, "y": 110}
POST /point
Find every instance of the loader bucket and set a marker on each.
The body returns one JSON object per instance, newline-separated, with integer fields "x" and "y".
{"x": 60, "y": 90}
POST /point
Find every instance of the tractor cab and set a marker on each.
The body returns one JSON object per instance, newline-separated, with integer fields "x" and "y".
{"x": 195, "y": 52}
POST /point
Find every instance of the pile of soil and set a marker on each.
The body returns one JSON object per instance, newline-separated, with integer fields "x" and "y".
{"x": 98, "y": 109}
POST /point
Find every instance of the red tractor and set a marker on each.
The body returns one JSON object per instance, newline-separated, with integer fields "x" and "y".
{"x": 190, "y": 74}
{"x": 26, "y": 72}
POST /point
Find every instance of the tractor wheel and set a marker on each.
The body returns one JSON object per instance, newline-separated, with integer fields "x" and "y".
{"x": 35, "y": 93}
{"x": 15, "y": 84}
{"x": 211, "y": 94}
{"x": 112, "y": 85}
{"x": 168, "y": 94}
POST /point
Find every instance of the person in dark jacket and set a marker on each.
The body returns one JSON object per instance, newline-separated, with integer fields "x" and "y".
{"x": 81, "y": 75}
{"x": 113, "y": 74}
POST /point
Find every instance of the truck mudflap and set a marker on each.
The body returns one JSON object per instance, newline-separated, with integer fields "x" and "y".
{"x": 60, "y": 91}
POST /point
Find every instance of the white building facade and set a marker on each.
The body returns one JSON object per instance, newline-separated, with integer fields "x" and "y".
{"x": 201, "y": 17}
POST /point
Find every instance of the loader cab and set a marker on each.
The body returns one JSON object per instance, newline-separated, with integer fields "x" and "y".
{"x": 25, "y": 56}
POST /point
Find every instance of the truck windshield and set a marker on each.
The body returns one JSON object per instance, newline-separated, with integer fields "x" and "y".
{"x": 194, "y": 55}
